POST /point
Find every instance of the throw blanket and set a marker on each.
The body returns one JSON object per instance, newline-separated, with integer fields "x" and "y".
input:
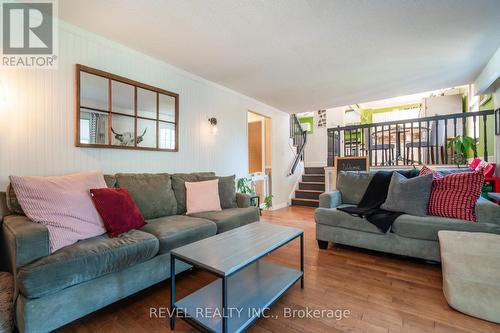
{"x": 374, "y": 197}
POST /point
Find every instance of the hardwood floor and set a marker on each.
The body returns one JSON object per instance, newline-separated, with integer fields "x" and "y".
{"x": 383, "y": 293}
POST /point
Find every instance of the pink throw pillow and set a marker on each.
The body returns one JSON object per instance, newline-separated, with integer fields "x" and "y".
{"x": 63, "y": 204}
{"x": 202, "y": 196}
{"x": 426, "y": 170}
{"x": 475, "y": 163}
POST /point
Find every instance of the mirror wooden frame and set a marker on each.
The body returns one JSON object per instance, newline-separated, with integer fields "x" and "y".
{"x": 112, "y": 77}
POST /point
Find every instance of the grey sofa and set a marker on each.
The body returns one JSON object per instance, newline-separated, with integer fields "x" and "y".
{"x": 54, "y": 289}
{"x": 412, "y": 236}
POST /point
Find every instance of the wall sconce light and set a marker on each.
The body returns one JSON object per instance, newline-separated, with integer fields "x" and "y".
{"x": 213, "y": 122}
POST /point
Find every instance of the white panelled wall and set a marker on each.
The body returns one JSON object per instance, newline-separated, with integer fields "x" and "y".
{"x": 37, "y": 119}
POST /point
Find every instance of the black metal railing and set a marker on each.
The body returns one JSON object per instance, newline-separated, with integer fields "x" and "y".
{"x": 299, "y": 138}
{"x": 411, "y": 141}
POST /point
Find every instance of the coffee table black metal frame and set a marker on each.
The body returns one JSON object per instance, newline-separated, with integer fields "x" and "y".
{"x": 178, "y": 311}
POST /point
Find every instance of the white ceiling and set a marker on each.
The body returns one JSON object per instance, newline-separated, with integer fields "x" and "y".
{"x": 301, "y": 55}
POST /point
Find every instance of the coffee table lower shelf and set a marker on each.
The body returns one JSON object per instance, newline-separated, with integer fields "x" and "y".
{"x": 249, "y": 291}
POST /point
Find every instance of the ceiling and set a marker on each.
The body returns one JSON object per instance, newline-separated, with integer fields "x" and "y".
{"x": 302, "y": 55}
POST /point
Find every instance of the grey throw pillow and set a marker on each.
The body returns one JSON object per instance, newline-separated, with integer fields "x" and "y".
{"x": 227, "y": 190}
{"x": 408, "y": 195}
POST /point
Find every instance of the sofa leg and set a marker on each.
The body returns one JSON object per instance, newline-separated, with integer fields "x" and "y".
{"x": 323, "y": 245}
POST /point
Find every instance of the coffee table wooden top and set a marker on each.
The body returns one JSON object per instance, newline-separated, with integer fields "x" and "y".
{"x": 228, "y": 252}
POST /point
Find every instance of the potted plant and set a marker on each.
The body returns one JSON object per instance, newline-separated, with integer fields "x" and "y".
{"x": 461, "y": 145}
{"x": 244, "y": 185}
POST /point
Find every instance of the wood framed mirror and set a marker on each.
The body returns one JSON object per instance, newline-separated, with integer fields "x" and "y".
{"x": 116, "y": 112}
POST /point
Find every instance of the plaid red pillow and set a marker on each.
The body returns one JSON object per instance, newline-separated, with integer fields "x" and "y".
{"x": 456, "y": 195}
{"x": 425, "y": 171}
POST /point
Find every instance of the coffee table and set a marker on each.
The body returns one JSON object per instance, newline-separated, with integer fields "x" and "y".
{"x": 246, "y": 286}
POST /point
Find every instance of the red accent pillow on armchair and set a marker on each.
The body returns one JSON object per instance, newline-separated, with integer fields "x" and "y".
{"x": 456, "y": 195}
{"x": 117, "y": 209}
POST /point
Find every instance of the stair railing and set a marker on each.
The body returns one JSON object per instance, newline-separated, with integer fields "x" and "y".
{"x": 299, "y": 137}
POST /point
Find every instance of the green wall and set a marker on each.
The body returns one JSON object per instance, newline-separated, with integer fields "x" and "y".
{"x": 309, "y": 120}
{"x": 490, "y": 128}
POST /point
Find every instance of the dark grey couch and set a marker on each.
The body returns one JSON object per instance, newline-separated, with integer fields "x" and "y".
{"x": 412, "y": 236}
{"x": 55, "y": 289}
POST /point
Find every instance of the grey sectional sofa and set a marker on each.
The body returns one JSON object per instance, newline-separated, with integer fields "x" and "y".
{"x": 55, "y": 289}
{"x": 412, "y": 236}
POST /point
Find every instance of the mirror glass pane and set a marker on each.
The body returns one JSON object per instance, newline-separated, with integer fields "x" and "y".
{"x": 94, "y": 92}
{"x": 122, "y": 128}
{"x": 123, "y": 98}
{"x": 146, "y": 133}
{"x": 167, "y": 108}
{"x": 166, "y": 138}
{"x": 93, "y": 127}
{"x": 146, "y": 103}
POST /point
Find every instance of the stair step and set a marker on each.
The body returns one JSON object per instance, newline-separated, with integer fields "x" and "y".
{"x": 305, "y": 202}
{"x": 310, "y": 191}
{"x": 307, "y": 194}
{"x": 314, "y": 170}
{"x": 313, "y": 178}
{"x": 319, "y": 186}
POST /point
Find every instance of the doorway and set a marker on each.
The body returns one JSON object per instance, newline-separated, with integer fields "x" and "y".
{"x": 260, "y": 154}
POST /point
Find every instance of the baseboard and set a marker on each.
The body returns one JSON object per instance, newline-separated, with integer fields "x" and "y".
{"x": 280, "y": 206}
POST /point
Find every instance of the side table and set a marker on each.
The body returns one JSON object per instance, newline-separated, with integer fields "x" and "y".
{"x": 255, "y": 201}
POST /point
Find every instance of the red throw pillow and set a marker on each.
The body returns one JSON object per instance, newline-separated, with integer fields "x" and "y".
{"x": 117, "y": 209}
{"x": 456, "y": 195}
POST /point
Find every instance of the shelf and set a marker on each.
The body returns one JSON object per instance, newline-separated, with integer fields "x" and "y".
{"x": 252, "y": 289}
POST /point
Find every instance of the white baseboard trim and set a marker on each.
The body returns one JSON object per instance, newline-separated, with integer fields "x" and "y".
{"x": 280, "y": 205}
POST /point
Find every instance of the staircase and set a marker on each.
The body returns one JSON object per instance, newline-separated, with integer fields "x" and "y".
{"x": 311, "y": 186}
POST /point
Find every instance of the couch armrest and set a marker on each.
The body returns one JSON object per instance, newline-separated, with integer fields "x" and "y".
{"x": 242, "y": 200}
{"x": 330, "y": 199}
{"x": 24, "y": 240}
{"x": 487, "y": 211}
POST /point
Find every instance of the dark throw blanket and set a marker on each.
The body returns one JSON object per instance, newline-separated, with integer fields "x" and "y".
{"x": 374, "y": 197}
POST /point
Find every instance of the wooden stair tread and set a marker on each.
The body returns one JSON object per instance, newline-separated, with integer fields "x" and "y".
{"x": 322, "y": 183}
{"x": 303, "y": 199}
{"x": 314, "y": 174}
{"x": 309, "y": 191}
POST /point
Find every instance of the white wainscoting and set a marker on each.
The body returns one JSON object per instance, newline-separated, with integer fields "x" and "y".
{"x": 37, "y": 120}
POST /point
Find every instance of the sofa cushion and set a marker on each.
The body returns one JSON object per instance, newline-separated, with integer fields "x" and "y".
{"x": 419, "y": 227}
{"x": 178, "y": 230}
{"x": 227, "y": 190}
{"x": 456, "y": 195}
{"x": 63, "y": 204}
{"x": 202, "y": 196}
{"x": 179, "y": 188}
{"x": 84, "y": 261}
{"x": 414, "y": 191}
{"x": 337, "y": 218}
{"x": 14, "y": 206}
{"x": 231, "y": 218}
{"x": 117, "y": 209}
{"x": 152, "y": 192}
{"x": 110, "y": 180}
{"x": 352, "y": 185}
{"x": 12, "y": 203}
